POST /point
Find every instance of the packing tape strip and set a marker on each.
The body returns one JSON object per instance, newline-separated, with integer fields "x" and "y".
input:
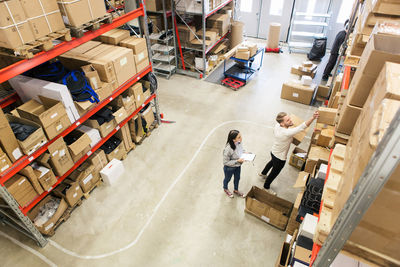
{"x": 15, "y": 24}
{"x": 90, "y": 9}
{"x": 45, "y": 16}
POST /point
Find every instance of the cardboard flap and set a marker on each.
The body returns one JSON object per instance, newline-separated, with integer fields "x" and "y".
{"x": 301, "y": 180}
{"x": 80, "y": 144}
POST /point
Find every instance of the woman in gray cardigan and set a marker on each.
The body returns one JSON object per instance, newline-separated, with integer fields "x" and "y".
{"x": 232, "y": 162}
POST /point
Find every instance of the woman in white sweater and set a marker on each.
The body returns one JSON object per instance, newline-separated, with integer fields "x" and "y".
{"x": 233, "y": 162}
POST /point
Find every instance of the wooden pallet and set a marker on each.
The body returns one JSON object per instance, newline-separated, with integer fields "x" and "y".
{"x": 87, "y": 194}
{"x": 90, "y": 26}
{"x": 45, "y": 43}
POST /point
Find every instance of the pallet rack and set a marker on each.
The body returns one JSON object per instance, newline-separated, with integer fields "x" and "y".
{"x": 22, "y": 223}
{"x": 204, "y": 51}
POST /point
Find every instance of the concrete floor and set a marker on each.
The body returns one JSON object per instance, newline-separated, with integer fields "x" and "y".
{"x": 169, "y": 208}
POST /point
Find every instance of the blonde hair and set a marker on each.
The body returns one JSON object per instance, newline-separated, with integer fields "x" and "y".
{"x": 280, "y": 116}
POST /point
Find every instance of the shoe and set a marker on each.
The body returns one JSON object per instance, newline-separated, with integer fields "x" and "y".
{"x": 272, "y": 192}
{"x": 262, "y": 176}
{"x": 238, "y": 193}
{"x": 325, "y": 78}
{"x": 228, "y": 193}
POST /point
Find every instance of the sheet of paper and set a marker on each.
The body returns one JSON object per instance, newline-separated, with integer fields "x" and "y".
{"x": 248, "y": 156}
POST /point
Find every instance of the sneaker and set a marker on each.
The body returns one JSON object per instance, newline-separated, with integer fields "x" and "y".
{"x": 240, "y": 194}
{"x": 228, "y": 193}
{"x": 272, "y": 192}
{"x": 262, "y": 176}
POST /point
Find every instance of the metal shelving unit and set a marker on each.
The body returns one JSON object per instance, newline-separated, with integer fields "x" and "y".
{"x": 182, "y": 15}
{"x": 18, "y": 219}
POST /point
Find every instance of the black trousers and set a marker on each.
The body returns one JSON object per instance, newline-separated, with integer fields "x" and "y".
{"x": 331, "y": 64}
{"x": 276, "y": 165}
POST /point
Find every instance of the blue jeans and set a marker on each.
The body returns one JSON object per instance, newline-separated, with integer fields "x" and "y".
{"x": 229, "y": 171}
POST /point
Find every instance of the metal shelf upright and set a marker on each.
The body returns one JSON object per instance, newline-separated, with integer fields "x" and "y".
{"x": 19, "y": 220}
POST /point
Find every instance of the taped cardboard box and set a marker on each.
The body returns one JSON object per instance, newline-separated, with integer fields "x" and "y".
{"x": 104, "y": 129}
{"x": 79, "y": 146}
{"x": 8, "y": 141}
{"x": 47, "y": 227}
{"x": 31, "y": 175}
{"x": 35, "y": 140}
{"x": 269, "y": 208}
{"x": 298, "y": 158}
{"x": 136, "y": 129}
{"x": 50, "y": 114}
{"x": 14, "y": 26}
{"x": 86, "y": 175}
{"x": 44, "y": 17}
{"x": 21, "y": 189}
{"x": 58, "y": 157}
{"x": 78, "y": 12}
{"x": 245, "y": 55}
{"x": 114, "y": 37}
{"x": 297, "y": 92}
{"x": 98, "y": 159}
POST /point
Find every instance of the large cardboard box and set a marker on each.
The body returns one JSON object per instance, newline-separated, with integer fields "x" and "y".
{"x": 269, "y": 208}
{"x": 14, "y": 26}
{"x": 286, "y": 252}
{"x": 220, "y": 22}
{"x": 48, "y": 226}
{"x": 34, "y": 141}
{"x": 50, "y": 114}
{"x": 79, "y": 12}
{"x": 8, "y": 142}
{"x": 58, "y": 157}
{"x": 380, "y": 48}
{"x": 98, "y": 159}
{"x": 20, "y": 188}
{"x": 316, "y": 153}
{"x": 327, "y": 115}
{"x": 114, "y": 37}
{"x": 137, "y": 92}
{"x": 298, "y": 158}
{"x": 44, "y": 17}
{"x": 148, "y": 116}
{"x": 124, "y": 135}
{"x": 298, "y": 138}
{"x": 86, "y": 175}
{"x": 80, "y": 146}
{"x": 70, "y": 191}
{"x": 139, "y": 49}
{"x": 297, "y": 92}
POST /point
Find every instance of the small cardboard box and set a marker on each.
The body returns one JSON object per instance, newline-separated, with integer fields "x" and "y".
{"x": 79, "y": 12}
{"x": 124, "y": 135}
{"x": 92, "y": 76}
{"x": 327, "y": 115}
{"x": 58, "y": 157}
{"x": 297, "y": 92}
{"x": 86, "y": 175}
{"x": 45, "y": 177}
{"x": 148, "y": 116}
{"x": 105, "y": 91}
{"x": 48, "y": 226}
{"x": 114, "y": 37}
{"x": 302, "y": 255}
{"x": 32, "y": 177}
{"x": 118, "y": 153}
{"x": 267, "y": 207}
{"x": 136, "y": 128}
{"x": 296, "y": 159}
{"x": 20, "y": 188}
{"x": 79, "y": 147}
{"x": 50, "y": 114}
{"x": 245, "y": 55}
{"x": 93, "y": 134}
{"x": 104, "y": 129}
{"x": 126, "y": 100}
{"x": 137, "y": 92}
{"x": 5, "y": 162}
{"x": 298, "y": 138}
{"x": 70, "y": 191}
{"x": 112, "y": 171}
{"x": 98, "y": 159}
{"x": 34, "y": 141}
{"x": 8, "y": 142}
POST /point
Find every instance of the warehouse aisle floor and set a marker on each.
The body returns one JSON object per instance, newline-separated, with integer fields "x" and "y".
{"x": 169, "y": 209}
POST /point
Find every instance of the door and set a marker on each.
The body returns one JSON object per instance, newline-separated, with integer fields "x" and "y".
{"x": 275, "y": 11}
{"x": 249, "y": 14}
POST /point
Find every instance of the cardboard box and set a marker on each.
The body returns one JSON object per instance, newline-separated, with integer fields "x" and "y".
{"x": 156, "y": 5}
{"x": 20, "y": 188}
{"x": 220, "y": 22}
{"x": 347, "y": 118}
{"x": 297, "y": 92}
{"x": 136, "y": 129}
{"x": 79, "y": 12}
{"x": 126, "y": 100}
{"x": 380, "y": 48}
{"x": 34, "y": 141}
{"x": 296, "y": 160}
{"x": 44, "y": 17}
{"x": 70, "y": 191}
{"x": 79, "y": 147}
{"x": 302, "y": 255}
{"x": 104, "y": 129}
{"x": 286, "y": 252}
{"x": 50, "y": 114}
{"x": 29, "y": 173}
{"x": 267, "y": 207}
{"x": 148, "y": 116}
{"x": 252, "y": 48}
{"x": 45, "y": 176}
{"x": 325, "y": 137}
{"x": 387, "y": 7}
{"x": 5, "y": 162}
{"x": 58, "y": 157}
{"x": 301, "y": 71}
{"x": 118, "y": 153}
{"x": 14, "y": 28}
{"x": 124, "y": 135}
{"x": 327, "y": 115}
{"x": 86, "y": 175}
{"x": 301, "y": 180}
{"x": 93, "y": 134}
{"x": 298, "y": 138}
{"x": 98, "y": 159}
{"x": 48, "y": 226}
{"x": 137, "y": 91}
{"x": 92, "y": 76}
{"x": 8, "y": 142}
{"x": 210, "y": 35}
{"x": 105, "y": 91}
{"x": 186, "y": 34}
{"x": 139, "y": 49}
{"x": 114, "y": 36}
{"x": 112, "y": 171}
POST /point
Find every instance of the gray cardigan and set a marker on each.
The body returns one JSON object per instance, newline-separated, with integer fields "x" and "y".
{"x": 231, "y": 156}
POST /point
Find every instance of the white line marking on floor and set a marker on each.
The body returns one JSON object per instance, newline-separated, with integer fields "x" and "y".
{"x": 31, "y": 250}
